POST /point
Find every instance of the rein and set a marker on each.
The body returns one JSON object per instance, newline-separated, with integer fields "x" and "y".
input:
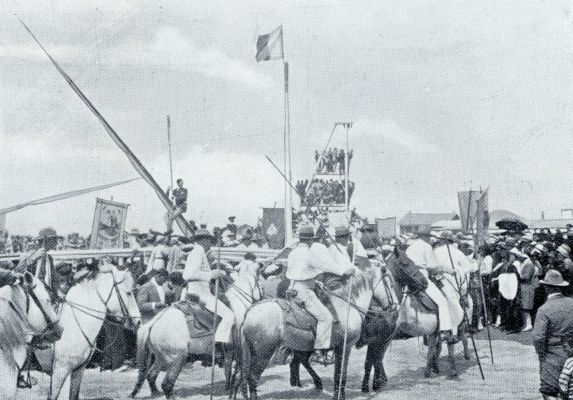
{"x": 367, "y": 312}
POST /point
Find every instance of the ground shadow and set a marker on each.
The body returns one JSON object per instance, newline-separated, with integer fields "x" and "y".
{"x": 218, "y": 387}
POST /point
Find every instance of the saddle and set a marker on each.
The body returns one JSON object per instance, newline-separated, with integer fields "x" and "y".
{"x": 199, "y": 319}
{"x": 300, "y": 325}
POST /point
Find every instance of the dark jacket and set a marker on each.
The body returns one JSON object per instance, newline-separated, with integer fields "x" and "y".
{"x": 553, "y": 324}
{"x": 149, "y": 301}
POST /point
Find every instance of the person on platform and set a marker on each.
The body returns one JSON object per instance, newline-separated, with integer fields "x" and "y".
{"x": 553, "y": 325}
{"x": 198, "y": 275}
{"x": 303, "y": 265}
{"x": 152, "y": 297}
{"x": 420, "y": 252}
{"x": 179, "y": 198}
{"x": 231, "y": 225}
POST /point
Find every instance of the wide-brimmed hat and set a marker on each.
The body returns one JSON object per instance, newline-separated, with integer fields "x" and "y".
{"x": 341, "y": 231}
{"x": 306, "y": 233}
{"x": 47, "y": 233}
{"x": 554, "y": 278}
{"x": 203, "y": 234}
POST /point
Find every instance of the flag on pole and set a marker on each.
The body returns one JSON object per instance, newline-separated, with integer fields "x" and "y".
{"x": 467, "y": 202}
{"x": 482, "y": 219}
{"x": 270, "y": 46}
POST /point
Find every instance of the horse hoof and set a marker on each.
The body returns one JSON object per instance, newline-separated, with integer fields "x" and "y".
{"x": 453, "y": 377}
{"x": 132, "y": 395}
{"x": 365, "y": 389}
{"x": 467, "y": 357}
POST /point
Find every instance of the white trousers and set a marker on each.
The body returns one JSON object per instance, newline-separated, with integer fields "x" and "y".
{"x": 317, "y": 310}
{"x": 224, "y": 331}
{"x": 443, "y": 307}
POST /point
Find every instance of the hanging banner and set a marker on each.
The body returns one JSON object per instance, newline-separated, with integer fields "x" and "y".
{"x": 274, "y": 227}
{"x": 386, "y": 227}
{"x": 482, "y": 219}
{"x": 468, "y": 208}
{"x": 109, "y": 225}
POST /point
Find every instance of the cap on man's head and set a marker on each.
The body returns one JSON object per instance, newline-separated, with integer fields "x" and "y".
{"x": 179, "y": 180}
{"x": 306, "y": 233}
{"x": 232, "y": 218}
{"x": 203, "y": 234}
{"x": 341, "y": 232}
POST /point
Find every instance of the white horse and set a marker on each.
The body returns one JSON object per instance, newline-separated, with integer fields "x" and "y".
{"x": 108, "y": 293}
{"x": 25, "y": 310}
{"x": 167, "y": 338}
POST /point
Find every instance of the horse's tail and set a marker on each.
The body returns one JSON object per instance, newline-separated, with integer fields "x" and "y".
{"x": 142, "y": 357}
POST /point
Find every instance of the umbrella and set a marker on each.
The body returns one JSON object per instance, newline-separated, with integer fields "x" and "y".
{"x": 511, "y": 224}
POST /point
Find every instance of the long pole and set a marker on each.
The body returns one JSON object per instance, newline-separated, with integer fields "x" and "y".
{"x": 464, "y": 311}
{"x": 169, "y": 144}
{"x": 485, "y": 315}
{"x": 346, "y": 197}
{"x": 345, "y": 342}
{"x": 213, "y": 349}
{"x": 286, "y": 149}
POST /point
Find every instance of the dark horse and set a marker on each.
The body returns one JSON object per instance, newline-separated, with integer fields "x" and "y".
{"x": 415, "y": 319}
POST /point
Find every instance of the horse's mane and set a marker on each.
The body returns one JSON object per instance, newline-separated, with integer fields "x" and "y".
{"x": 13, "y": 328}
{"x": 362, "y": 280}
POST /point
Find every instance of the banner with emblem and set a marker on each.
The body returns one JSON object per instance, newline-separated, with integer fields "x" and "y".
{"x": 274, "y": 227}
{"x": 386, "y": 227}
{"x": 109, "y": 225}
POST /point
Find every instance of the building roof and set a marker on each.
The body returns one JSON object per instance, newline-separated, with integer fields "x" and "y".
{"x": 425, "y": 218}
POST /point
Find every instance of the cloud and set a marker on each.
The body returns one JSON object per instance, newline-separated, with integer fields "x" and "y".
{"x": 169, "y": 48}
{"x": 392, "y": 132}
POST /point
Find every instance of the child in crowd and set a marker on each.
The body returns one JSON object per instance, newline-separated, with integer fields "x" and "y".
{"x": 565, "y": 379}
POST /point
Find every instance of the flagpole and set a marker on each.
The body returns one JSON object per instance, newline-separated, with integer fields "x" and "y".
{"x": 169, "y": 144}
{"x": 286, "y": 149}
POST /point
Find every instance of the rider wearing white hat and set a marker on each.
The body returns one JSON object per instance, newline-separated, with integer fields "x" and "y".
{"x": 304, "y": 265}
{"x": 421, "y": 253}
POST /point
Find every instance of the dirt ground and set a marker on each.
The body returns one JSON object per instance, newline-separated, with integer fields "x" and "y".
{"x": 514, "y": 376}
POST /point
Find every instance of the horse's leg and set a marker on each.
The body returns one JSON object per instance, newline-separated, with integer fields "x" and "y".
{"x": 172, "y": 373}
{"x": 305, "y": 360}
{"x": 434, "y": 348}
{"x": 228, "y": 365}
{"x": 380, "y": 378}
{"x": 9, "y": 374}
{"x": 340, "y": 370}
{"x": 452, "y": 359}
{"x": 295, "y": 369}
{"x": 368, "y": 367}
{"x": 59, "y": 375}
{"x": 76, "y": 381}
{"x": 152, "y": 374}
{"x": 464, "y": 338}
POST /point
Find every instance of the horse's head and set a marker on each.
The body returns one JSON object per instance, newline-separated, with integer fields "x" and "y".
{"x": 116, "y": 292}
{"x": 42, "y": 317}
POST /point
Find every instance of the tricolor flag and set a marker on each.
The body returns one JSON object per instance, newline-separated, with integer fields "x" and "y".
{"x": 482, "y": 219}
{"x": 270, "y": 46}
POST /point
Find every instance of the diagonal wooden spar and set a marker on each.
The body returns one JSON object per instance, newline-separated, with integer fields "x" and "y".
{"x": 62, "y": 196}
{"x": 181, "y": 222}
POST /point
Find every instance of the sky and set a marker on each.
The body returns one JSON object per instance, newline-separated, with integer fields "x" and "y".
{"x": 444, "y": 96}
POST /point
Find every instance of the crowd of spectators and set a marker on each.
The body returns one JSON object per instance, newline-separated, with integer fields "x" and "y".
{"x": 323, "y": 192}
{"x": 332, "y": 161}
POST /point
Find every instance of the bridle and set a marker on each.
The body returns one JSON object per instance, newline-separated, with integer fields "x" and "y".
{"x": 94, "y": 313}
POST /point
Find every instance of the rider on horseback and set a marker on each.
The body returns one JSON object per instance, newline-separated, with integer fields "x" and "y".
{"x": 305, "y": 262}
{"x": 421, "y": 253}
{"x": 198, "y": 274}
